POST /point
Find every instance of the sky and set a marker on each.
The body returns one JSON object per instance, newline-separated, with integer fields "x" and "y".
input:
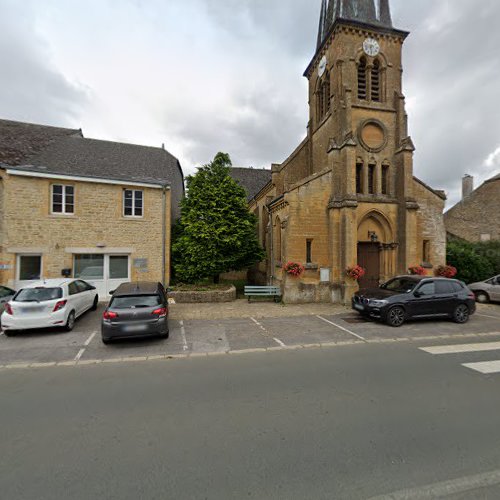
{"x": 203, "y": 76}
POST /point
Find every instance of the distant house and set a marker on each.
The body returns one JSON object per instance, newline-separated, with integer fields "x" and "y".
{"x": 476, "y": 217}
{"x": 96, "y": 210}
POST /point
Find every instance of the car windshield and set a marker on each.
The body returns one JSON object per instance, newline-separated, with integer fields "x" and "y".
{"x": 38, "y": 294}
{"x": 400, "y": 285}
{"x": 135, "y": 301}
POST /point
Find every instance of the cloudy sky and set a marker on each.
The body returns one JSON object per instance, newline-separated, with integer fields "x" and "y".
{"x": 204, "y": 76}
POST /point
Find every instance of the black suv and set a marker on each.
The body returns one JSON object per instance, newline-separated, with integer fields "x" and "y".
{"x": 136, "y": 310}
{"x": 415, "y": 297}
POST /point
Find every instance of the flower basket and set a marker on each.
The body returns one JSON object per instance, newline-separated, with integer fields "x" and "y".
{"x": 417, "y": 271}
{"x": 294, "y": 269}
{"x": 446, "y": 271}
{"x": 355, "y": 272}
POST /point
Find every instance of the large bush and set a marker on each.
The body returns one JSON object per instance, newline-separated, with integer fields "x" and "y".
{"x": 216, "y": 233}
{"x": 474, "y": 261}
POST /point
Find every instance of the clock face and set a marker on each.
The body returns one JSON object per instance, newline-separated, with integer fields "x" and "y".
{"x": 322, "y": 67}
{"x": 371, "y": 47}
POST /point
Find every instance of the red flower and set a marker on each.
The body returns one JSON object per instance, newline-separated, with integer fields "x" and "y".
{"x": 294, "y": 269}
{"x": 446, "y": 271}
{"x": 417, "y": 270}
{"x": 356, "y": 272}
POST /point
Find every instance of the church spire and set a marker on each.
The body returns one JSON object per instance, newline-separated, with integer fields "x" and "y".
{"x": 361, "y": 11}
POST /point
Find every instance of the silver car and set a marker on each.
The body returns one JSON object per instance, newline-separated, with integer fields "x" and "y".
{"x": 487, "y": 291}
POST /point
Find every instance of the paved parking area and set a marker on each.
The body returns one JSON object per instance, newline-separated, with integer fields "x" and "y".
{"x": 196, "y": 337}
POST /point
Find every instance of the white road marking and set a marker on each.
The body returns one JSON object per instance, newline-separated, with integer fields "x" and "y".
{"x": 263, "y": 328}
{"x": 445, "y": 488}
{"x": 484, "y": 367}
{"x": 183, "y": 334}
{"x": 487, "y": 316}
{"x": 456, "y": 349}
{"x": 86, "y": 344}
{"x": 342, "y": 328}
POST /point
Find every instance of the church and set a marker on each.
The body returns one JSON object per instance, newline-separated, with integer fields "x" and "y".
{"x": 347, "y": 195}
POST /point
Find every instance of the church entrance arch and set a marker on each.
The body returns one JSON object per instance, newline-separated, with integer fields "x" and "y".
{"x": 376, "y": 249}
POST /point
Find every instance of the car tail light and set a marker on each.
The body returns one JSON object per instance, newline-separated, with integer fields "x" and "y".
{"x": 472, "y": 296}
{"x": 60, "y": 305}
{"x": 8, "y": 309}
{"x": 161, "y": 312}
{"x": 110, "y": 315}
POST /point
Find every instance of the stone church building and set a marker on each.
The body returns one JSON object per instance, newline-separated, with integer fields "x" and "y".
{"x": 347, "y": 194}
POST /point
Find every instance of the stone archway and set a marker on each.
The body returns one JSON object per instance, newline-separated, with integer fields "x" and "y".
{"x": 376, "y": 248}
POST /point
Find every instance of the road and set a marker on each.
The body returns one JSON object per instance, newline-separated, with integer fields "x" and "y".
{"x": 347, "y": 422}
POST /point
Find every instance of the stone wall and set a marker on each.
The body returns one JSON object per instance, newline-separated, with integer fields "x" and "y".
{"x": 98, "y": 223}
{"x": 477, "y": 217}
{"x": 199, "y": 297}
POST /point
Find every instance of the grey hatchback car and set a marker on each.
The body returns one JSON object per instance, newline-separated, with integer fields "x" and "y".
{"x": 136, "y": 310}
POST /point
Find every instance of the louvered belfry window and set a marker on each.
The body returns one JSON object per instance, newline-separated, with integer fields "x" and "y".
{"x": 375, "y": 81}
{"x": 362, "y": 90}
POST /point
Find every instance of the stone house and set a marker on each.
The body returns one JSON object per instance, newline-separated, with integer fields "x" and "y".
{"x": 71, "y": 206}
{"x": 476, "y": 217}
{"x": 347, "y": 195}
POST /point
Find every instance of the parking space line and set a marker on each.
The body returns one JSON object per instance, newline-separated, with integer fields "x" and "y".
{"x": 342, "y": 328}
{"x": 183, "y": 334}
{"x": 86, "y": 344}
{"x": 486, "y": 316}
{"x": 263, "y": 328}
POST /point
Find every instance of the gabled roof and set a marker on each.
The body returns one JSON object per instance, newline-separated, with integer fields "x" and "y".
{"x": 252, "y": 179}
{"x": 106, "y": 160}
{"x": 19, "y": 141}
{"x": 493, "y": 179}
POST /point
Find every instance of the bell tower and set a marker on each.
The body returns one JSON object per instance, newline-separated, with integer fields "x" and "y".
{"x": 358, "y": 128}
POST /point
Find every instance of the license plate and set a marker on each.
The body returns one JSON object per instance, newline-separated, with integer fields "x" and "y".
{"x": 359, "y": 307}
{"x": 135, "y": 328}
{"x": 31, "y": 310}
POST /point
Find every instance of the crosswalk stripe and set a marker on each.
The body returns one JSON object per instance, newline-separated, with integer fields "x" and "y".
{"x": 456, "y": 349}
{"x": 484, "y": 367}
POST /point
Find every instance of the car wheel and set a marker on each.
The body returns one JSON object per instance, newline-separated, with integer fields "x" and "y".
{"x": 482, "y": 297}
{"x": 396, "y": 317}
{"x": 95, "y": 304}
{"x": 10, "y": 333}
{"x": 70, "y": 323}
{"x": 461, "y": 314}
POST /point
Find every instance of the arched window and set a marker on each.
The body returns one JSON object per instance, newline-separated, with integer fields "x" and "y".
{"x": 362, "y": 85}
{"x": 359, "y": 177}
{"x": 324, "y": 98}
{"x": 277, "y": 236}
{"x": 385, "y": 179}
{"x": 371, "y": 178}
{"x": 375, "y": 81}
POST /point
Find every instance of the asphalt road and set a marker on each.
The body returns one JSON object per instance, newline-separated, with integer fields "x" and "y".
{"x": 349, "y": 422}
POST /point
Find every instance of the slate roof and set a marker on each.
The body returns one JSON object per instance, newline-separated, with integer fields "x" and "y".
{"x": 252, "y": 179}
{"x": 360, "y": 11}
{"x": 78, "y": 156}
{"x": 493, "y": 179}
{"x": 19, "y": 141}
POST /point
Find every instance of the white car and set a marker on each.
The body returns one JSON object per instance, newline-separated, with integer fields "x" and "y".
{"x": 48, "y": 304}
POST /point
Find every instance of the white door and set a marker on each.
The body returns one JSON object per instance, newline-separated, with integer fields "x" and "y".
{"x": 105, "y": 272}
{"x": 29, "y": 269}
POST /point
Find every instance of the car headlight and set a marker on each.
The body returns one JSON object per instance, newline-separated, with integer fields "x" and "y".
{"x": 378, "y": 303}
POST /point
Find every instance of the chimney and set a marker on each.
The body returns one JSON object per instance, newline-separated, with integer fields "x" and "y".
{"x": 467, "y": 186}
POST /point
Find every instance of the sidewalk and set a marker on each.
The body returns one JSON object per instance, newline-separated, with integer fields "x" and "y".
{"x": 242, "y": 309}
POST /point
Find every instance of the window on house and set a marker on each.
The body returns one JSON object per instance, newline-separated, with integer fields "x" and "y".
{"x": 362, "y": 89}
{"x": 359, "y": 178}
{"x": 324, "y": 96}
{"x": 309, "y": 244}
{"x": 375, "y": 82}
{"x": 133, "y": 203}
{"x": 385, "y": 179}
{"x": 371, "y": 179}
{"x": 426, "y": 251}
{"x": 63, "y": 199}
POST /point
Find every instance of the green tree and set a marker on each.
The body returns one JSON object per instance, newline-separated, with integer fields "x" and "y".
{"x": 471, "y": 265}
{"x": 217, "y": 232}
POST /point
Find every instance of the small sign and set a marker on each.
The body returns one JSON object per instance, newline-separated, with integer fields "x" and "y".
{"x": 5, "y": 267}
{"x": 141, "y": 263}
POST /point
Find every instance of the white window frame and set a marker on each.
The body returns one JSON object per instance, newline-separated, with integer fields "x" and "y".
{"x": 133, "y": 216}
{"x": 64, "y": 212}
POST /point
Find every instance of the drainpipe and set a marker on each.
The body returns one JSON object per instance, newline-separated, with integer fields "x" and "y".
{"x": 271, "y": 246}
{"x": 164, "y": 238}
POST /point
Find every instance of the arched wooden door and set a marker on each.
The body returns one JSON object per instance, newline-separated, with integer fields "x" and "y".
{"x": 369, "y": 259}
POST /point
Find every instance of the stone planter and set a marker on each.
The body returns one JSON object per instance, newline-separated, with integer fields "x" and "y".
{"x": 201, "y": 297}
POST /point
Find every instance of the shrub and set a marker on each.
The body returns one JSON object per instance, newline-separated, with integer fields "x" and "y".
{"x": 294, "y": 269}
{"x": 446, "y": 271}
{"x": 356, "y": 272}
{"x": 471, "y": 261}
{"x": 417, "y": 271}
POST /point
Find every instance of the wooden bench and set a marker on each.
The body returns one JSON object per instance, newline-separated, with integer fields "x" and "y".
{"x": 263, "y": 291}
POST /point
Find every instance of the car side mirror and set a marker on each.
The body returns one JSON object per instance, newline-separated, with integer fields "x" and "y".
{"x": 112, "y": 292}
{"x": 418, "y": 294}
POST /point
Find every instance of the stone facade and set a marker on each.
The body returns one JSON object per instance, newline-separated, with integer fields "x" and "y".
{"x": 476, "y": 217}
{"x": 347, "y": 194}
{"x": 98, "y": 226}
